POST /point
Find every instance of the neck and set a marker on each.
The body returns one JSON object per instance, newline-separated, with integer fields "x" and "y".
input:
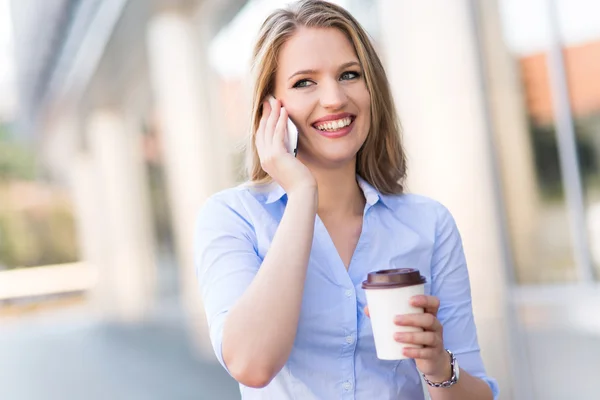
{"x": 339, "y": 192}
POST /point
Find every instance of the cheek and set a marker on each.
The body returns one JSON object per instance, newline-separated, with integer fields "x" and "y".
{"x": 298, "y": 111}
{"x": 368, "y": 116}
{"x": 366, "y": 106}
{"x": 366, "y": 112}
{"x": 363, "y": 101}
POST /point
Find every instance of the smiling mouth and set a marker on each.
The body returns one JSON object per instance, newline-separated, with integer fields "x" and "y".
{"x": 335, "y": 125}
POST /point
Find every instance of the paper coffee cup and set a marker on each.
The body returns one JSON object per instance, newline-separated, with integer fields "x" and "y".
{"x": 388, "y": 295}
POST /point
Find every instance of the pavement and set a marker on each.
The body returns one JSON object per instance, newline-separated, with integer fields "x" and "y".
{"x": 78, "y": 358}
{"x": 71, "y": 356}
{"x": 564, "y": 364}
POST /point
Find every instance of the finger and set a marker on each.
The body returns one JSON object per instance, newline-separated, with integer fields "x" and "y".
{"x": 366, "y": 309}
{"x": 430, "y": 304}
{"x": 272, "y": 120}
{"x": 429, "y": 339}
{"x": 260, "y": 132}
{"x": 425, "y": 353}
{"x": 280, "y": 129}
{"x": 425, "y": 321}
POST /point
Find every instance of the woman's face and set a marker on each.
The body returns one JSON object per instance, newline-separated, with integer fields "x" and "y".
{"x": 320, "y": 82}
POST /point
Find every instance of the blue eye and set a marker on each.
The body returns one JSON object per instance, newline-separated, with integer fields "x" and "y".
{"x": 349, "y": 75}
{"x": 302, "y": 83}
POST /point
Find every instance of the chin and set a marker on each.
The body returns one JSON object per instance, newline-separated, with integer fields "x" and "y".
{"x": 337, "y": 158}
{"x": 331, "y": 155}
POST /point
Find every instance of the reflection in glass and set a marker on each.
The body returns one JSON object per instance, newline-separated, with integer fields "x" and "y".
{"x": 538, "y": 222}
{"x": 582, "y": 64}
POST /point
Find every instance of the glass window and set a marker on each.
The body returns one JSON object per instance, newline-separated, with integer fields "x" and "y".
{"x": 538, "y": 219}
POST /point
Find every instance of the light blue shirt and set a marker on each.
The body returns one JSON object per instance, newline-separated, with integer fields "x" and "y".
{"x": 333, "y": 356}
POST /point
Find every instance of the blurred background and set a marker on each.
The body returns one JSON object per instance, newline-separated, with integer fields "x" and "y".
{"x": 119, "y": 117}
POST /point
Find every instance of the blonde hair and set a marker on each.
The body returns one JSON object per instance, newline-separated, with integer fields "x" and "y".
{"x": 381, "y": 160}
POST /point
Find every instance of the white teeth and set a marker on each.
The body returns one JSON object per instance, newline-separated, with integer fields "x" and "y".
{"x": 335, "y": 125}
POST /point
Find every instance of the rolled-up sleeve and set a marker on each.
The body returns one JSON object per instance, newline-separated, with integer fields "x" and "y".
{"x": 450, "y": 283}
{"x": 226, "y": 260}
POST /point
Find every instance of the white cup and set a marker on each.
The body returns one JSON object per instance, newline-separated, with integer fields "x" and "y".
{"x": 388, "y": 295}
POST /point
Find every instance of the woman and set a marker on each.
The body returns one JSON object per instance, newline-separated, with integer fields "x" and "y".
{"x": 281, "y": 260}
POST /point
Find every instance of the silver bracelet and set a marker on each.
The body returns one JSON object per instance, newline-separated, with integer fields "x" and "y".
{"x": 453, "y": 379}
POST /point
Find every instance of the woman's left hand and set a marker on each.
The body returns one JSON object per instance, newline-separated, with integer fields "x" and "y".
{"x": 432, "y": 359}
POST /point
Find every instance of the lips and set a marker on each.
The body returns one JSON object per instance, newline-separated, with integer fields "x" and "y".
{"x": 337, "y": 133}
{"x": 333, "y": 117}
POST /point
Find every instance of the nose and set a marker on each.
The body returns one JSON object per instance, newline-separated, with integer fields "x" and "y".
{"x": 333, "y": 96}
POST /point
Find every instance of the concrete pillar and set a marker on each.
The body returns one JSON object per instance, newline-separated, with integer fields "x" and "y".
{"x": 512, "y": 140}
{"x": 431, "y": 55}
{"x": 193, "y": 160}
{"x": 84, "y": 186}
{"x": 59, "y": 144}
{"x": 127, "y": 270}
{"x": 78, "y": 170}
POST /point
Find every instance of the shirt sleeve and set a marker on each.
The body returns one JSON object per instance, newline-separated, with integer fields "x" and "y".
{"x": 450, "y": 283}
{"x": 226, "y": 261}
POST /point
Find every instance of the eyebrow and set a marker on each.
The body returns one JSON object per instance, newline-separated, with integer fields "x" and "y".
{"x": 312, "y": 71}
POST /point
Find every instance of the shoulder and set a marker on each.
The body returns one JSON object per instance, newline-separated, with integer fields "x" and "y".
{"x": 237, "y": 197}
{"x": 422, "y": 213}
{"x": 418, "y": 206}
{"x": 224, "y": 204}
{"x": 241, "y": 202}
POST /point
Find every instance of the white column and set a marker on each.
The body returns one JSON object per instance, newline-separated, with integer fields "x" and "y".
{"x": 58, "y": 145}
{"x": 84, "y": 185}
{"x": 514, "y": 148}
{"x": 431, "y": 54}
{"x": 193, "y": 157}
{"x": 127, "y": 270}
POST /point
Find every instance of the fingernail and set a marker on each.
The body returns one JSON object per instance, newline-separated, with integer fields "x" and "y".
{"x": 399, "y": 336}
{"x": 399, "y": 319}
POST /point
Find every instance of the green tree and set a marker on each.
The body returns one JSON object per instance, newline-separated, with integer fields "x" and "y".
{"x": 16, "y": 160}
{"x": 30, "y": 236}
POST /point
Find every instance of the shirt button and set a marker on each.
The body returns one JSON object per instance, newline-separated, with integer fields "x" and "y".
{"x": 349, "y": 339}
{"x": 347, "y": 385}
{"x": 348, "y": 293}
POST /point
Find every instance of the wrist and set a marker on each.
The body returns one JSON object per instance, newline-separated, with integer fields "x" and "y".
{"x": 444, "y": 372}
{"x": 437, "y": 381}
{"x": 305, "y": 191}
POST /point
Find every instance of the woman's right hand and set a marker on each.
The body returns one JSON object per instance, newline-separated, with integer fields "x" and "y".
{"x": 282, "y": 166}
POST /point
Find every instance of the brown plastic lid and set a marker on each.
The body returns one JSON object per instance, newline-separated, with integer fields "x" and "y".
{"x": 393, "y": 278}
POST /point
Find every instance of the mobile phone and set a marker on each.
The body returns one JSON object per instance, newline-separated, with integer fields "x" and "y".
{"x": 291, "y": 139}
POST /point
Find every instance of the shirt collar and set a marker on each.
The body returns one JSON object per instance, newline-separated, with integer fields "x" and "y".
{"x": 275, "y": 192}
{"x": 372, "y": 195}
